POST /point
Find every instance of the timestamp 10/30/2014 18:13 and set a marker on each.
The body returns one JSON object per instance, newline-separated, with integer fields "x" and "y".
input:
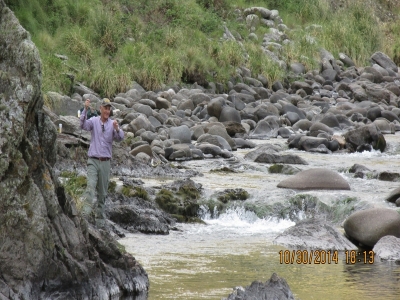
{"x": 325, "y": 256}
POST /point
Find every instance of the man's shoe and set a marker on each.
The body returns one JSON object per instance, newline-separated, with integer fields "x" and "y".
{"x": 86, "y": 211}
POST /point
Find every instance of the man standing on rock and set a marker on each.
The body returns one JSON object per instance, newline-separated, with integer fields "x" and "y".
{"x": 103, "y": 131}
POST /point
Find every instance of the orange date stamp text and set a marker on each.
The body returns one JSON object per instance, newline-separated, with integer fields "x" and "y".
{"x": 317, "y": 257}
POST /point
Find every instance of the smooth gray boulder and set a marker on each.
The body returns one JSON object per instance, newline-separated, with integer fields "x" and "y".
{"x": 229, "y": 114}
{"x": 178, "y": 152}
{"x": 181, "y": 133}
{"x": 214, "y": 140}
{"x": 315, "y": 179}
{"x": 207, "y": 148}
{"x": 270, "y": 154}
{"x": 221, "y": 131}
{"x": 318, "y": 128}
{"x": 141, "y": 122}
{"x": 369, "y": 226}
{"x": 214, "y": 107}
{"x": 63, "y": 105}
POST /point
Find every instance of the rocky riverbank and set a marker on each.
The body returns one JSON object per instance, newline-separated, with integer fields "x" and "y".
{"x": 337, "y": 109}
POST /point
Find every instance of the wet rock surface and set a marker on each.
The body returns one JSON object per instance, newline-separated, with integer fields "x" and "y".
{"x": 274, "y": 288}
{"x": 314, "y": 234}
{"x": 388, "y": 248}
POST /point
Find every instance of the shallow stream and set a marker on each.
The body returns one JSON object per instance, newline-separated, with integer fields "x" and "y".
{"x": 206, "y": 261}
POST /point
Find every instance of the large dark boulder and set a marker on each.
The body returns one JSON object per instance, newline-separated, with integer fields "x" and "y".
{"x": 308, "y": 143}
{"x": 135, "y": 218}
{"x": 368, "y": 134}
{"x": 270, "y": 154}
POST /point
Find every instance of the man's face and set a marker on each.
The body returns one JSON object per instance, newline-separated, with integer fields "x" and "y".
{"x": 105, "y": 112}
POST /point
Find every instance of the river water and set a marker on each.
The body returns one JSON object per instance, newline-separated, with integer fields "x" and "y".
{"x": 199, "y": 261}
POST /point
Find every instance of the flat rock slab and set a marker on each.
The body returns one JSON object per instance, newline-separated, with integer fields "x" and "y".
{"x": 314, "y": 234}
{"x": 315, "y": 179}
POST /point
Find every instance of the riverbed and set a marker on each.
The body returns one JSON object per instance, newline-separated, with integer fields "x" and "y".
{"x": 198, "y": 261}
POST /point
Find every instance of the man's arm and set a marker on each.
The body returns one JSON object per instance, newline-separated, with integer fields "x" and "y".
{"x": 118, "y": 132}
{"x": 85, "y": 123}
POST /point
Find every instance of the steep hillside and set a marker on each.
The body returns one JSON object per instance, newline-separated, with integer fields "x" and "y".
{"x": 108, "y": 44}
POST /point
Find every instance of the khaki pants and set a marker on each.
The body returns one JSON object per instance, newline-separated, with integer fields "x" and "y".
{"x": 98, "y": 176}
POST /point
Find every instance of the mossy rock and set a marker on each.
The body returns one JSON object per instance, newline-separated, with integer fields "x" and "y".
{"x": 283, "y": 169}
{"x": 380, "y": 143}
{"x": 233, "y": 194}
{"x": 307, "y": 204}
{"x": 214, "y": 207}
{"x": 181, "y": 203}
{"x": 265, "y": 210}
{"x": 343, "y": 208}
{"x": 223, "y": 170}
{"x": 183, "y": 219}
{"x": 189, "y": 192}
{"x": 136, "y": 191}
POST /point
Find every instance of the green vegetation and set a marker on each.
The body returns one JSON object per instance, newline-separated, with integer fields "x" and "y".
{"x": 75, "y": 186}
{"x": 109, "y": 44}
{"x": 121, "y": 247}
{"x": 136, "y": 191}
{"x": 341, "y": 209}
{"x": 111, "y": 186}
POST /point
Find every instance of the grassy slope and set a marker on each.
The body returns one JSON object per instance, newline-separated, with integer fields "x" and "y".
{"x": 110, "y": 43}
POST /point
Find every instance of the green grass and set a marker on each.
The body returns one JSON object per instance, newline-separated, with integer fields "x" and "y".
{"x": 136, "y": 191}
{"x": 75, "y": 186}
{"x": 109, "y": 44}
